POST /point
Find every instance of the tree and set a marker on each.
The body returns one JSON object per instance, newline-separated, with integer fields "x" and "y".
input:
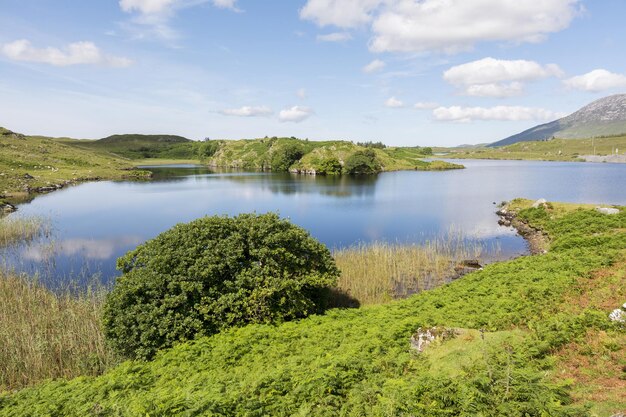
{"x": 330, "y": 166}
{"x": 213, "y": 273}
{"x": 285, "y": 156}
{"x": 362, "y": 162}
{"x": 207, "y": 148}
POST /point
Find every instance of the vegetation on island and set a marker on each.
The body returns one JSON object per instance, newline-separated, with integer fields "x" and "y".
{"x": 31, "y": 164}
{"x": 546, "y": 150}
{"x": 530, "y": 336}
{"x": 324, "y": 157}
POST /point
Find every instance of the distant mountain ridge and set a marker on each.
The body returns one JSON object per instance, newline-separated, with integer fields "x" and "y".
{"x": 603, "y": 117}
{"x": 142, "y": 138}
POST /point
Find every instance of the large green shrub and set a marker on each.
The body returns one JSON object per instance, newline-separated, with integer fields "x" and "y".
{"x": 285, "y": 156}
{"x": 330, "y": 166}
{"x": 213, "y": 273}
{"x": 362, "y": 162}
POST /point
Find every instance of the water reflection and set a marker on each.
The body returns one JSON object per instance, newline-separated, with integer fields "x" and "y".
{"x": 98, "y": 222}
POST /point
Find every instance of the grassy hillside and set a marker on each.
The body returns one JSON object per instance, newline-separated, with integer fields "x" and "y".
{"x": 310, "y": 156}
{"x": 552, "y": 150}
{"x": 140, "y": 146}
{"x": 518, "y": 330}
{"x": 275, "y": 154}
{"x": 28, "y": 163}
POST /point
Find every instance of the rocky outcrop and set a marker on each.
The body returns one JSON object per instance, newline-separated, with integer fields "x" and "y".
{"x": 607, "y": 210}
{"x": 6, "y": 208}
{"x": 537, "y": 240}
{"x": 423, "y": 337}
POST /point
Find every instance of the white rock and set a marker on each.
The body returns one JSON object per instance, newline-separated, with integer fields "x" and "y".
{"x": 539, "y": 203}
{"x": 607, "y": 210}
{"x": 618, "y": 315}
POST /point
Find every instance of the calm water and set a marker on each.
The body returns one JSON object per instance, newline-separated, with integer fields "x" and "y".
{"x": 95, "y": 223}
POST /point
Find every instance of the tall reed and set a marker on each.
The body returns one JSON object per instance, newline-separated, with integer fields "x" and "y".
{"x": 49, "y": 335}
{"x": 379, "y": 272}
{"x": 14, "y": 229}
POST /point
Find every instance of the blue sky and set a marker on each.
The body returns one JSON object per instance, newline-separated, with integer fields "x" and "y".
{"x": 405, "y": 72}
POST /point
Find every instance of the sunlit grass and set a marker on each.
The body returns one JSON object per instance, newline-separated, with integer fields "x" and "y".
{"x": 380, "y": 272}
{"x": 47, "y": 335}
{"x": 20, "y": 229}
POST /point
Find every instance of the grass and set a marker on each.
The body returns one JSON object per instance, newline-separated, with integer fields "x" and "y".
{"x": 18, "y": 229}
{"x": 30, "y": 162}
{"x": 380, "y": 272}
{"x": 163, "y": 161}
{"x": 139, "y": 146}
{"x": 48, "y": 335}
{"x": 358, "y": 362}
{"x": 552, "y": 150}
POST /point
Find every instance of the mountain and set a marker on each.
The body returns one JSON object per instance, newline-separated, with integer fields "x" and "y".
{"x": 144, "y": 139}
{"x": 603, "y": 117}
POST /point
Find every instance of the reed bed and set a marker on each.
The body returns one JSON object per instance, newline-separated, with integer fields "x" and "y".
{"x": 45, "y": 335}
{"x": 380, "y": 272}
{"x": 14, "y": 230}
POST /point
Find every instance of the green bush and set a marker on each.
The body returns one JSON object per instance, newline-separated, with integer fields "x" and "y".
{"x": 330, "y": 166}
{"x": 208, "y": 148}
{"x": 362, "y": 162}
{"x": 285, "y": 156}
{"x": 215, "y": 272}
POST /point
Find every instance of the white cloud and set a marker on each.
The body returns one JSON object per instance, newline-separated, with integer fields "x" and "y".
{"x": 340, "y": 13}
{"x": 489, "y": 77}
{"x": 374, "y": 66}
{"x": 502, "y": 113}
{"x": 248, "y": 111}
{"x": 226, "y": 4}
{"x": 444, "y": 25}
{"x": 495, "y": 90}
{"x": 295, "y": 114}
{"x": 152, "y": 16}
{"x": 490, "y": 70}
{"x": 425, "y": 105}
{"x": 76, "y": 53}
{"x": 335, "y": 37}
{"x": 147, "y": 6}
{"x": 596, "y": 80}
{"x": 394, "y": 103}
{"x": 301, "y": 93}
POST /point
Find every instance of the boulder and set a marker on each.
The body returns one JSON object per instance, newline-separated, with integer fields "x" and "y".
{"x": 6, "y": 208}
{"x": 540, "y": 203}
{"x": 424, "y": 337}
{"x": 607, "y": 210}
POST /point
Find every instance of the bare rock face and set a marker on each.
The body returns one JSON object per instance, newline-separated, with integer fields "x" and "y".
{"x": 606, "y": 116}
{"x": 540, "y": 203}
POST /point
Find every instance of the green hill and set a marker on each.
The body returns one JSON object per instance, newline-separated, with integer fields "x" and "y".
{"x": 519, "y": 333}
{"x": 134, "y": 146}
{"x": 313, "y": 157}
{"x": 32, "y": 163}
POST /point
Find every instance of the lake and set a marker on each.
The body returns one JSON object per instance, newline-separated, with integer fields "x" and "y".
{"x": 94, "y": 223}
